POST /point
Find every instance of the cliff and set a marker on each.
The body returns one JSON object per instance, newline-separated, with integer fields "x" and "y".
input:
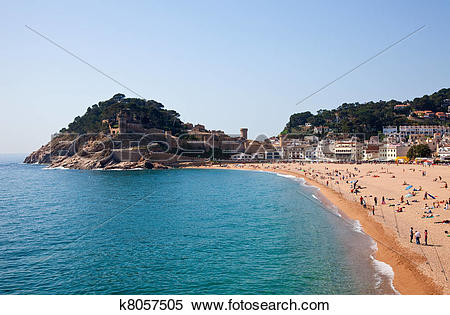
{"x": 120, "y": 133}
{"x": 98, "y": 152}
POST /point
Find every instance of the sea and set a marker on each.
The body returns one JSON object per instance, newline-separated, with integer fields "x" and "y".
{"x": 177, "y": 231}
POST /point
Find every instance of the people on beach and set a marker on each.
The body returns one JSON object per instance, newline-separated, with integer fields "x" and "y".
{"x": 417, "y": 237}
{"x": 372, "y": 191}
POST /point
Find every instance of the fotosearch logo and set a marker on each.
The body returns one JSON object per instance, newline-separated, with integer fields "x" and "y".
{"x": 157, "y": 146}
{"x": 162, "y": 147}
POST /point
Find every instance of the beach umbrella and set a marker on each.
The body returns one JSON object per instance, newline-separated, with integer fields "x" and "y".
{"x": 408, "y": 195}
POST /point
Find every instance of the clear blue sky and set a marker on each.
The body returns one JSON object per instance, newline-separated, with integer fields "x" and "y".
{"x": 227, "y": 64}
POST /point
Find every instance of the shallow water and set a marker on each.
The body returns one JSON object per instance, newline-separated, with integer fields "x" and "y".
{"x": 176, "y": 232}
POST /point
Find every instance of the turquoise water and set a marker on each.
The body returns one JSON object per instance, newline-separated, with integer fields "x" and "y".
{"x": 175, "y": 232}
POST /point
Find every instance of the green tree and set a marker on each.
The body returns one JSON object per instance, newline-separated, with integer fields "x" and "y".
{"x": 369, "y": 118}
{"x": 150, "y": 113}
{"x": 420, "y": 150}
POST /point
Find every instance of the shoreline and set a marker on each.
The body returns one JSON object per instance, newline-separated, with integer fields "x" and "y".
{"x": 408, "y": 278}
{"x": 327, "y": 205}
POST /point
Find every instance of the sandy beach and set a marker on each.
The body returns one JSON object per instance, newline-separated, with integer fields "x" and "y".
{"x": 418, "y": 269}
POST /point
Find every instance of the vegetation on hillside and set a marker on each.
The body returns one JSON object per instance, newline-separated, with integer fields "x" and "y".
{"x": 369, "y": 118}
{"x": 151, "y": 113}
{"x": 420, "y": 150}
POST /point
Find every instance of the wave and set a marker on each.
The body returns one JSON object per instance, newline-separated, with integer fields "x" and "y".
{"x": 286, "y": 176}
{"x": 297, "y": 179}
{"x": 121, "y": 169}
{"x": 94, "y": 169}
{"x": 56, "y": 168}
{"x": 382, "y": 269}
{"x": 331, "y": 207}
{"x": 357, "y": 227}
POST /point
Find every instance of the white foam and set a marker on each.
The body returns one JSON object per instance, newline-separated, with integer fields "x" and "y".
{"x": 286, "y": 176}
{"x": 56, "y": 168}
{"x": 122, "y": 169}
{"x": 381, "y": 268}
{"x": 94, "y": 169}
{"x": 357, "y": 227}
{"x": 336, "y": 211}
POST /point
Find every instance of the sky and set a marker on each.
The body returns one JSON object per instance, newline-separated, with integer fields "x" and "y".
{"x": 225, "y": 64}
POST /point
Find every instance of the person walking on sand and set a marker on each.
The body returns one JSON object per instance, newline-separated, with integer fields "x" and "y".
{"x": 417, "y": 237}
{"x": 373, "y": 210}
{"x": 426, "y": 237}
{"x": 375, "y": 200}
{"x": 383, "y": 202}
{"x": 361, "y": 200}
{"x": 411, "y": 235}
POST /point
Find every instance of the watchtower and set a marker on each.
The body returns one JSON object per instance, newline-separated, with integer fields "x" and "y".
{"x": 244, "y": 132}
{"x": 122, "y": 119}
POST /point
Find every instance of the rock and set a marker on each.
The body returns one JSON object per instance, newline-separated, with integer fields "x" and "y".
{"x": 68, "y": 151}
{"x": 148, "y": 165}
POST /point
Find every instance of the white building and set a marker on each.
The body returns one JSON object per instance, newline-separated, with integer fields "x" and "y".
{"x": 371, "y": 152}
{"x": 325, "y": 150}
{"x": 389, "y": 130}
{"x": 321, "y": 129}
{"x": 299, "y": 152}
{"x": 390, "y": 152}
{"x": 349, "y": 150}
{"x": 444, "y": 153}
{"x": 264, "y": 154}
{"x": 272, "y": 155}
{"x": 428, "y": 130}
{"x": 241, "y": 157}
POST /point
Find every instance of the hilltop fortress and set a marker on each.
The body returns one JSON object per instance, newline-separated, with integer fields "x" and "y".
{"x": 134, "y": 133}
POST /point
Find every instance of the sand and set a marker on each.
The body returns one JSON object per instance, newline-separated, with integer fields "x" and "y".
{"x": 418, "y": 269}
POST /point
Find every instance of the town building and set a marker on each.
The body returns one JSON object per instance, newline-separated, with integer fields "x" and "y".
{"x": 348, "y": 151}
{"x": 300, "y": 152}
{"x": 428, "y": 130}
{"x": 443, "y": 153}
{"x": 389, "y": 130}
{"x": 392, "y": 152}
{"x": 325, "y": 150}
{"x": 321, "y": 129}
{"x": 241, "y": 157}
{"x": 371, "y": 152}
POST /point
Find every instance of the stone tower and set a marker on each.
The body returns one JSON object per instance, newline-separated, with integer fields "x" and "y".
{"x": 244, "y": 133}
{"x": 122, "y": 119}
